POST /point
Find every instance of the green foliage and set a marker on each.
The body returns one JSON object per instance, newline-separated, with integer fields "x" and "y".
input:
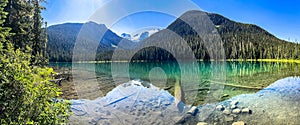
{"x": 38, "y": 37}
{"x": 25, "y": 20}
{"x": 4, "y": 31}
{"x": 240, "y": 41}
{"x": 26, "y": 95}
{"x": 18, "y": 19}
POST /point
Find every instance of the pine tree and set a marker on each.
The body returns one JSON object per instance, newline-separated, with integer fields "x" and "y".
{"x": 26, "y": 95}
{"x": 24, "y": 18}
{"x": 38, "y": 46}
{"x": 4, "y": 31}
{"x": 19, "y": 20}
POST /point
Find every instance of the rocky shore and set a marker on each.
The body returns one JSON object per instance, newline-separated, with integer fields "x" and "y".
{"x": 133, "y": 103}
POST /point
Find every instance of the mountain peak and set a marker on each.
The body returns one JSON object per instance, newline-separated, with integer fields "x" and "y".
{"x": 140, "y": 35}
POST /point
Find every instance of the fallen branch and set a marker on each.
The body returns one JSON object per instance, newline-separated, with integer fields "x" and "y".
{"x": 233, "y": 85}
{"x": 57, "y": 81}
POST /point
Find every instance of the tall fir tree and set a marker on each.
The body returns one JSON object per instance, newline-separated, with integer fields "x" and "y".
{"x": 24, "y": 18}
{"x": 19, "y": 19}
{"x": 26, "y": 95}
{"x": 38, "y": 46}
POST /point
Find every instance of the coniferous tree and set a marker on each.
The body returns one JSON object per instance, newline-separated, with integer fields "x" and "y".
{"x": 19, "y": 20}
{"x": 38, "y": 46}
{"x": 24, "y": 19}
{"x": 26, "y": 95}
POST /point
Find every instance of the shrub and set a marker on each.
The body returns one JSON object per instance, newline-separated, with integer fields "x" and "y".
{"x": 26, "y": 95}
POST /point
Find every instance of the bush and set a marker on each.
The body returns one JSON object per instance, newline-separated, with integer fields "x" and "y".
{"x": 26, "y": 95}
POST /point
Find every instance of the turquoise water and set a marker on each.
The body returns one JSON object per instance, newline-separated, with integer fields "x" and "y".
{"x": 234, "y": 77}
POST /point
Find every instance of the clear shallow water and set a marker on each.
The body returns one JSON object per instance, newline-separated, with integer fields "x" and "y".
{"x": 231, "y": 78}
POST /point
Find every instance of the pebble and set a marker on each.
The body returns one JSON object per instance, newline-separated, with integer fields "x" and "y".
{"x": 236, "y": 111}
{"x": 226, "y": 111}
{"x": 233, "y": 106}
{"x": 234, "y": 102}
{"x": 220, "y": 107}
{"x": 193, "y": 111}
{"x": 234, "y": 115}
{"x": 245, "y": 110}
{"x": 202, "y": 123}
{"x": 239, "y": 123}
{"x": 228, "y": 118}
{"x": 225, "y": 95}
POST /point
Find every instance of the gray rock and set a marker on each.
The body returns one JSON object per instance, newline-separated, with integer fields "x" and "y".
{"x": 233, "y": 115}
{"x": 226, "y": 111}
{"x": 234, "y": 102}
{"x": 245, "y": 110}
{"x": 220, "y": 107}
{"x": 236, "y": 111}
{"x": 202, "y": 123}
{"x": 239, "y": 123}
{"x": 146, "y": 84}
{"x": 233, "y": 107}
{"x": 228, "y": 118}
{"x": 225, "y": 95}
{"x": 193, "y": 111}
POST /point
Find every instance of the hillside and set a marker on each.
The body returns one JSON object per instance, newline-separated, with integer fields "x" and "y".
{"x": 62, "y": 39}
{"x": 239, "y": 40}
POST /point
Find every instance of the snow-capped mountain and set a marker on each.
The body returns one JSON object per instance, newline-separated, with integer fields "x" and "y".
{"x": 140, "y": 35}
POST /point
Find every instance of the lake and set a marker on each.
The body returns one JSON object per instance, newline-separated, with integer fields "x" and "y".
{"x": 201, "y": 82}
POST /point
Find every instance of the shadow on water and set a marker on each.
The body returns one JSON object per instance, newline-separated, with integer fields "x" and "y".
{"x": 241, "y": 77}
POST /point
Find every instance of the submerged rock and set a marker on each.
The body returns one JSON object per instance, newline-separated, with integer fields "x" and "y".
{"x": 239, "y": 123}
{"x": 246, "y": 110}
{"x": 234, "y": 102}
{"x": 236, "y": 111}
{"x": 226, "y": 112}
{"x": 202, "y": 123}
{"x": 220, "y": 107}
{"x": 135, "y": 103}
{"x": 228, "y": 118}
{"x": 193, "y": 111}
{"x": 233, "y": 107}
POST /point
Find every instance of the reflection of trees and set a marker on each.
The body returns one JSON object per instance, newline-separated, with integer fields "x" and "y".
{"x": 252, "y": 68}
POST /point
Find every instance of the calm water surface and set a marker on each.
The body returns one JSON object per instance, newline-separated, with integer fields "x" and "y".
{"x": 234, "y": 77}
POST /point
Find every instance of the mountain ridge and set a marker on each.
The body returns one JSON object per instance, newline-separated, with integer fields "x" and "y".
{"x": 140, "y": 35}
{"x": 62, "y": 39}
{"x": 241, "y": 41}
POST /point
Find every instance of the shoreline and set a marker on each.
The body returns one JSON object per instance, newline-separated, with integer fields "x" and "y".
{"x": 282, "y": 97}
{"x": 198, "y": 60}
{"x": 234, "y": 85}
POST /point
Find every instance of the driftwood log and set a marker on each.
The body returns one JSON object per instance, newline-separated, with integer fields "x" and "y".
{"x": 57, "y": 81}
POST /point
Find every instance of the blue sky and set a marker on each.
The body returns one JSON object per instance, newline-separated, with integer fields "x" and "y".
{"x": 281, "y": 18}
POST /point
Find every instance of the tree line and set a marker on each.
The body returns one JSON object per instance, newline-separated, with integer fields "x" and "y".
{"x": 239, "y": 41}
{"x": 27, "y": 28}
